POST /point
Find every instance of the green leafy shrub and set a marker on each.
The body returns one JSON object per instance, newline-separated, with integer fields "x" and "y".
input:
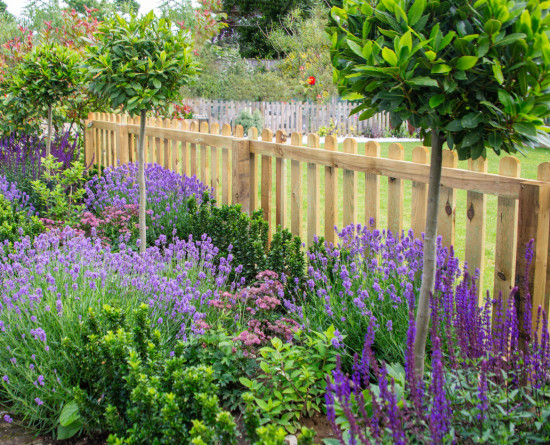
{"x": 243, "y": 236}
{"x": 16, "y": 223}
{"x": 292, "y": 383}
{"x": 249, "y": 120}
{"x": 61, "y": 191}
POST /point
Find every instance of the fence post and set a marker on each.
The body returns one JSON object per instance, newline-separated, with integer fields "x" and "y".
{"x": 122, "y": 149}
{"x": 241, "y": 173}
{"x": 533, "y": 223}
{"x": 544, "y": 176}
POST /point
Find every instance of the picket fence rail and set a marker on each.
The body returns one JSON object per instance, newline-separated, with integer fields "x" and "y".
{"x": 241, "y": 171}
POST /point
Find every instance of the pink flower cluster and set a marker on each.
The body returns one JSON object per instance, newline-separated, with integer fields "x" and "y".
{"x": 260, "y": 332}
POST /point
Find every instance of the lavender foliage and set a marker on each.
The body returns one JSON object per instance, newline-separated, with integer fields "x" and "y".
{"x": 50, "y": 284}
{"x": 21, "y": 156}
{"x": 167, "y": 194}
{"x": 368, "y": 273}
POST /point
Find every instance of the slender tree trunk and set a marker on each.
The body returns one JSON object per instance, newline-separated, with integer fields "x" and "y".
{"x": 141, "y": 178}
{"x": 49, "y": 137}
{"x": 429, "y": 259}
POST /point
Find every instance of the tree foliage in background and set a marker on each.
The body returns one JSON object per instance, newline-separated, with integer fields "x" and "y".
{"x": 304, "y": 45}
{"x": 138, "y": 65}
{"x": 75, "y": 32}
{"x": 46, "y": 76}
{"x": 250, "y": 21}
{"x": 472, "y": 75}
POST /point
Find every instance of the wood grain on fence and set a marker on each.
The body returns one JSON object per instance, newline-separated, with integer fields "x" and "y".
{"x": 419, "y": 193}
{"x": 447, "y": 203}
{"x": 372, "y": 188}
{"x": 395, "y": 193}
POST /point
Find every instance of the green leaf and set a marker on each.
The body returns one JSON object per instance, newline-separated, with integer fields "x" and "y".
{"x": 506, "y": 100}
{"x": 466, "y": 62}
{"x": 245, "y": 382}
{"x": 416, "y": 11}
{"x": 472, "y": 120}
{"x": 423, "y": 81}
{"x": 455, "y": 125}
{"x": 441, "y": 68}
{"x": 436, "y": 100}
{"x": 497, "y": 72}
{"x": 69, "y": 414}
{"x": 355, "y": 48}
{"x": 389, "y": 56}
{"x": 525, "y": 128}
{"x": 66, "y": 432}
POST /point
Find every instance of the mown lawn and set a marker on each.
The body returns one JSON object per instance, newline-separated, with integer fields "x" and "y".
{"x": 529, "y": 167}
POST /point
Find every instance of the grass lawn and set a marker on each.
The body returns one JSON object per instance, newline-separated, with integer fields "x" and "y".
{"x": 528, "y": 170}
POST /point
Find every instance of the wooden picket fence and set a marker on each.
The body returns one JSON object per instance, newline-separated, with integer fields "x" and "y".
{"x": 303, "y": 117}
{"x": 241, "y": 171}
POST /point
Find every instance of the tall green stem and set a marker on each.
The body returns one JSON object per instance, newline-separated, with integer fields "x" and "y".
{"x": 429, "y": 259}
{"x": 141, "y": 179}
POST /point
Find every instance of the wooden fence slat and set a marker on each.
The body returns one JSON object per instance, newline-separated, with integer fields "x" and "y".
{"x": 214, "y": 164}
{"x": 543, "y": 174}
{"x": 280, "y": 184}
{"x": 167, "y": 159}
{"x": 507, "y": 228}
{"x": 476, "y": 210}
{"x": 331, "y": 192}
{"x": 395, "y": 194}
{"x": 533, "y": 223}
{"x": 267, "y": 135}
{"x": 419, "y": 195}
{"x": 313, "y": 197}
{"x": 296, "y": 190}
{"x": 175, "y": 149}
{"x": 241, "y": 173}
{"x": 447, "y": 204}
{"x": 253, "y": 136}
{"x": 158, "y": 123}
{"x": 226, "y": 186}
{"x": 185, "y": 126}
{"x": 193, "y": 151}
{"x": 372, "y": 188}
{"x": 349, "y": 184}
{"x": 204, "y": 155}
{"x": 123, "y": 148}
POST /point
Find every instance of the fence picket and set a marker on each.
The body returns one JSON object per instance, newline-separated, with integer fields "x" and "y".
{"x": 505, "y": 247}
{"x": 331, "y": 192}
{"x": 372, "y": 188}
{"x": 204, "y": 155}
{"x": 419, "y": 195}
{"x": 226, "y": 186}
{"x": 280, "y": 184}
{"x": 313, "y": 198}
{"x": 214, "y": 168}
{"x": 349, "y": 184}
{"x": 447, "y": 204}
{"x": 395, "y": 193}
{"x": 476, "y": 210}
{"x": 296, "y": 189}
{"x": 267, "y": 135}
{"x": 253, "y": 136}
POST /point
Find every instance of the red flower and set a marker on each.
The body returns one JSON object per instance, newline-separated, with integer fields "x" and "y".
{"x": 311, "y": 80}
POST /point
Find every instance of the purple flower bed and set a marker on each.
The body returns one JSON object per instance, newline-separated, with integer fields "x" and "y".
{"x": 167, "y": 194}
{"x": 369, "y": 274}
{"x": 51, "y": 284}
{"x": 20, "y": 200}
{"x": 488, "y": 384}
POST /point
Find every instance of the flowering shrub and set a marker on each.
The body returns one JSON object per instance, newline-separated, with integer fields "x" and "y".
{"x": 51, "y": 284}
{"x": 368, "y": 274}
{"x": 488, "y": 384}
{"x": 112, "y": 223}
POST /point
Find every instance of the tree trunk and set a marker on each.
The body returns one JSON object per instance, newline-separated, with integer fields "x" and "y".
{"x": 49, "y": 137}
{"x": 429, "y": 259}
{"x": 141, "y": 178}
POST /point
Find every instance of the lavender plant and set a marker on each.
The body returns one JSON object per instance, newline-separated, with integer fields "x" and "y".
{"x": 49, "y": 286}
{"x": 17, "y": 198}
{"x": 21, "y": 157}
{"x": 490, "y": 384}
{"x": 368, "y": 275}
{"x": 167, "y": 195}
